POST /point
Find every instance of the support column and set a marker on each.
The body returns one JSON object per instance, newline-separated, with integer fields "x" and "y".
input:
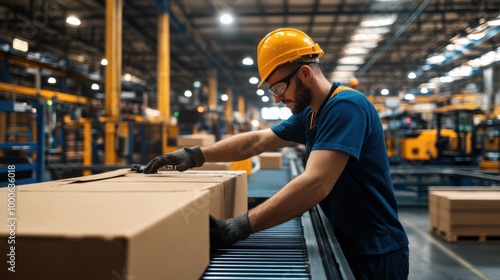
{"x": 212, "y": 89}
{"x": 163, "y": 79}
{"x": 229, "y": 106}
{"x": 241, "y": 105}
{"x": 114, "y": 10}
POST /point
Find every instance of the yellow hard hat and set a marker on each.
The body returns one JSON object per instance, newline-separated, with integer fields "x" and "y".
{"x": 281, "y": 46}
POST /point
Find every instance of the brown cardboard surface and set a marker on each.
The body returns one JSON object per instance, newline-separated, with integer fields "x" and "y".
{"x": 470, "y": 200}
{"x": 470, "y": 217}
{"x": 215, "y": 197}
{"x": 271, "y": 160}
{"x": 100, "y": 235}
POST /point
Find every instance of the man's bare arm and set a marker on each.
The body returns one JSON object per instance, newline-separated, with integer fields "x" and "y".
{"x": 243, "y": 146}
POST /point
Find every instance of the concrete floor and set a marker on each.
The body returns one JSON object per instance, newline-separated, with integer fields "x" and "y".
{"x": 431, "y": 257}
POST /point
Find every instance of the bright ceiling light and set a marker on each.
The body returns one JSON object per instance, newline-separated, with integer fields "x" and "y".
{"x": 366, "y": 37}
{"x": 224, "y": 97}
{"x": 412, "y": 75}
{"x": 104, "y": 62}
{"x": 127, "y": 77}
{"x": 196, "y": 84}
{"x": 253, "y": 80}
{"x": 188, "y": 93}
{"x": 247, "y": 61}
{"x": 367, "y": 45}
{"x": 51, "y": 80}
{"x": 493, "y": 22}
{"x": 409, "y": 96}
{"x": 265, "y": 98}
{"x": 450, "y": 47}
{"x": 352, "y": 60}
{"x": 347, "y": 68}
{"x": 226, "y": 18}
{"x": 462, "y": 41}
{"x": 384, "y": 91}
{"x": 255, "y": 123}
{"x": 355, "y": 50}
{"x": 95, "y": 87}
{"x": 20, "y": 45}
{"x": 437, "y": 59}
{"x": 260, "y": 92}
{"x": 379, "y": 21}
{"x": 373, "y": 30}
{"x": 476, "y": 36}
{"x": 424, "y": 90}
{"x": 73, "y": 20}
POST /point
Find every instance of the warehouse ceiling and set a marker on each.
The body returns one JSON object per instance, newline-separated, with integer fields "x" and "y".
{"x": 377, "y": 41}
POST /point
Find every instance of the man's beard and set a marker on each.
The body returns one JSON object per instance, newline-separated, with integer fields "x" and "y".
{"x": 302, "y": 97}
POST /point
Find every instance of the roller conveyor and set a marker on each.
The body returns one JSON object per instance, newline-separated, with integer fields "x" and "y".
{"x": 302, "y": 248}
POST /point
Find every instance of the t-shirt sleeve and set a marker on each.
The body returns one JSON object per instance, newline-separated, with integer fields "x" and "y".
{"x": 343, "y": 128}
{"x": 292, "y": 129}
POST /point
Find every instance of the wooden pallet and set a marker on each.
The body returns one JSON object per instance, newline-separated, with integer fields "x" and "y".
{"x": 451, "y": 237}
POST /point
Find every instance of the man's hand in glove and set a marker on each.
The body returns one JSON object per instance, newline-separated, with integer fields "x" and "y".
{"x": 226, "y": 232}
{"x": 184, "y": 159}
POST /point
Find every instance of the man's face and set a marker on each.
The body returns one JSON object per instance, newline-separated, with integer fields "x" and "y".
{"x": 295, "y": 95}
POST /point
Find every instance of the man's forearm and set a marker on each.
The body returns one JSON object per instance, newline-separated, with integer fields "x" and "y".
{"x": 298, "y": 196}
{"x": 241, "y": 146}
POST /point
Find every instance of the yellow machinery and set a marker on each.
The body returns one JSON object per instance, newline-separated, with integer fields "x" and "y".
{"x": 489, "y": 139}
{"x": 421, "y": 146}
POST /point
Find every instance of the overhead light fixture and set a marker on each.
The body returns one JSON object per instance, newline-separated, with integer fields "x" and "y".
{"x": 412, "y": 75}
{"x": 367, "y": 45}
{"x": 188, "y": 93}
{"x": 51, "y": 80}
{"x": 247, "y": 61}
{"x": 226, "y": 18}
{"x": 493, "y": 22}
{"x": 437, "y": 59}
{"x": 379, "y": 21}
{"x": 196, "y": 84}
{"x": 104, "y": 62}
{"x": 260, "y": 92}
{"x": 347, "y": 68}
{"x": 424, "y": 90}
{"x": 265, "y": 98}
{"x": 95, "y": 87}
{"x": 253, "y": 80}
{"x": 73, "y": 20}
{"x": 20, "y": 45}
{"x": 384, "y": 91}
{"x": 409, "y": 96}
{"x": 355, "y": 50}
{"x": 476, "y": 36}
{"x": 127, "y": 77}
{"x": 224, "y": 97}
{"x": 352, "y": 60}
{"x": 366, "y": 37}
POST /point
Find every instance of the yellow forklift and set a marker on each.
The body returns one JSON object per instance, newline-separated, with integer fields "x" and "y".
{"x": 489, "y": 144}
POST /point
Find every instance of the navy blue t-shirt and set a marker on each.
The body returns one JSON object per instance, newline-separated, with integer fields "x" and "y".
{"x": 361, "y": 206}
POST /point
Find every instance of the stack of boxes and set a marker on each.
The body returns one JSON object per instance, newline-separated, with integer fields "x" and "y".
{"x": 465, "y": 214}
{"x": 120, "y": 224}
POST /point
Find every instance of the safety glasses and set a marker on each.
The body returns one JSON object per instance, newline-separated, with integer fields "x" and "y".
{"x": 279, "y": 88}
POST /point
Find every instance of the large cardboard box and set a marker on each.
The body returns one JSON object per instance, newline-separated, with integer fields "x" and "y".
{"x": 235, "y": 184}
{"x": 195, "y": 140}
{"x": 271, "y": 160}
{"x": 101, "y": 235}
{"x": 214, "y": 199}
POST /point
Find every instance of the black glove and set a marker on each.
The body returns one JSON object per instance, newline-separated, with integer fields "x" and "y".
{"x": 226, "y": 232}
{"x": 184, "y": 159}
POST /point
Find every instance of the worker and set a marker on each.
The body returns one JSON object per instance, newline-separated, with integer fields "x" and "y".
{"x": 347, "y": 168}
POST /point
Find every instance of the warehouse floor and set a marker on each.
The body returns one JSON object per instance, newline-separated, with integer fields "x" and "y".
{"x": 431, "y": 257}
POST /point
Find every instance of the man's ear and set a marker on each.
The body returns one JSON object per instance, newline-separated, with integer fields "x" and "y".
{"x": 306, "y": 72}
